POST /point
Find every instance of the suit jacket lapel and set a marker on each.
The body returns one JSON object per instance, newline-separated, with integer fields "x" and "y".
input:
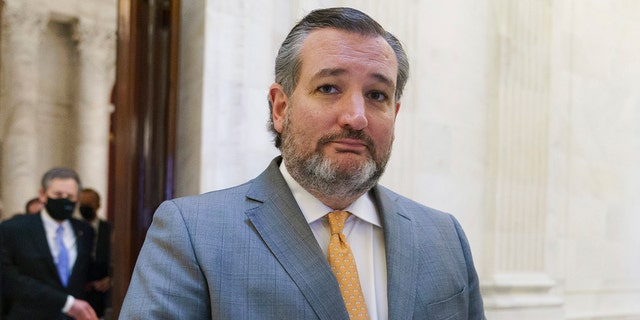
{"x": 39, "y": 234}
{"x": 81, "y": 245}
{"x": 402, "y": 274}
{"x": 285, "y": 231}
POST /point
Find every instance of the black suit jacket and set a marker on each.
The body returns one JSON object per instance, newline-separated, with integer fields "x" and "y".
{"x": 31, "y": 284}
{"x": 102, "y": 267}
{"x": 102, "y": 251}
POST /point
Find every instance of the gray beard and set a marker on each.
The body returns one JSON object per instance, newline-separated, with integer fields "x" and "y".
{"x": 322, "y": 178}
{"x": 319, "y": 175}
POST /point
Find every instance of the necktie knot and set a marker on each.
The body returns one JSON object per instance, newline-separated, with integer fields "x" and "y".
{"x": 337, "y": 220}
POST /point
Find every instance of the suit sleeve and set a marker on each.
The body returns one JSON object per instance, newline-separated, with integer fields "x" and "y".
{"x": 476, "y": 309}
{"x": 167, "y": 282}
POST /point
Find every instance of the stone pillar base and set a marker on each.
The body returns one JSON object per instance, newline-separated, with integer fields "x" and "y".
{"x": 508, "y": 295}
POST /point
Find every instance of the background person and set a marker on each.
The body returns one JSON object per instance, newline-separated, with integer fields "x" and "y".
{"x": 33, "y": 206}
{"x": 98, "y": 294}
{"x": 46, "y": 257}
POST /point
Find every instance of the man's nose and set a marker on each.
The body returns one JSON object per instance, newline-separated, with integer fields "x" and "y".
{"x": 353, "y": 112}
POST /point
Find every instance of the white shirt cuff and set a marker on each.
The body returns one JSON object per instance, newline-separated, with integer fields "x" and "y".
{"x": 68, "y": 304}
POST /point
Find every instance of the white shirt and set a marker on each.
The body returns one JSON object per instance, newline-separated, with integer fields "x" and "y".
{"x": 69, "y": 240}
{"x": 365, "y": 236}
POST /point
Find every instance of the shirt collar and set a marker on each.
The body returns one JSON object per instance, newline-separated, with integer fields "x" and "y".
{"x": 313, "y": 209}
{"x": 52, "y": 224}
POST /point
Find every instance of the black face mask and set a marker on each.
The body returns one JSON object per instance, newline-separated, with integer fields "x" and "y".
{"x": 60, "y": 209}
{"x": 88, "y": 213}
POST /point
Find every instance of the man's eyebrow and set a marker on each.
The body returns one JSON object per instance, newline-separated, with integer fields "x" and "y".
{"x": 384, "y": 79}
{"x": 329, "y": 72}
{"x": 333, "y": 72}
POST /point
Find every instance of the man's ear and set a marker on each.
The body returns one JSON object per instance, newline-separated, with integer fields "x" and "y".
{"x": 42, "y": 195}
{"x": 279, "y": 103}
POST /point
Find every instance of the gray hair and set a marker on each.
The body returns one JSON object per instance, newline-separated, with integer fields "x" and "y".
{"x": 60, "y": 173}
{"x": 288, "y": 61}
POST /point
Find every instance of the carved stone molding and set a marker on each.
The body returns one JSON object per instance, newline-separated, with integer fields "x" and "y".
{"x": 515, "y": 272}
{"x": 521, "y": 290}
{"x": 21, "y": 35}
{"x": 24, "y": 23}
{"x": 91, "y": 35}
{"x": 96, "y": 45}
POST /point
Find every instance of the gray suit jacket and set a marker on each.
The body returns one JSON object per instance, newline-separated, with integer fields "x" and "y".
{"x": 248, "y": 253}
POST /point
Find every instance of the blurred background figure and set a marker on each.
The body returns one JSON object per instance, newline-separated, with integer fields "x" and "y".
{"x": 98, "y": 290}
{"x": 46, "y": 257}
{"x": 33, "y": 206}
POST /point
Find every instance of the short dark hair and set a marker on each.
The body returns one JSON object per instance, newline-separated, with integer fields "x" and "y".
{"x": 93, "y": 192}
{"x": 288, "y": 61}
{"x": 60, "y": 173}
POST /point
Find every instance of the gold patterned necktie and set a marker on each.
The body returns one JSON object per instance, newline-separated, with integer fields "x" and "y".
{"x": 343, "y": 266}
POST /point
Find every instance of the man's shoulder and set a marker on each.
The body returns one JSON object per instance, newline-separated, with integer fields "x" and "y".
{"x": 104, "y": 224}
{"x": 80, "y": 224}
{"x": 20, "y": 220}
{"x": 268, "y": 185}
{"x": 224, "y": 198}
{"x": 409, "y": 205}
{"x": 21, "y": 227}
{"x": 226, "y": 193}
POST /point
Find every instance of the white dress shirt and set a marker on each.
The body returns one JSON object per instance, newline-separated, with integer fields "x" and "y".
{"x": 69, "y": 240}
{"x": 364, "y": 233}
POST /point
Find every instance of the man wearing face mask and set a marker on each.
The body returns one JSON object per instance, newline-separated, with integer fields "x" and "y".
{"x": 98, "y": 288}
{"x": 46, "y": 257}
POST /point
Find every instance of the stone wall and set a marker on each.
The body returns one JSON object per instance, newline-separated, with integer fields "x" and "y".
{"x": 58, "y": 68}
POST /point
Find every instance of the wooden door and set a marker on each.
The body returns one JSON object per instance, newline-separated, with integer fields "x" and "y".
{"x": 143, "y": 128}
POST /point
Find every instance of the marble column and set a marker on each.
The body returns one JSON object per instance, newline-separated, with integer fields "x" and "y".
{"x": 96, "y": 47}
{"x": 515, "y": 273}
{"x": 21, "y": 36}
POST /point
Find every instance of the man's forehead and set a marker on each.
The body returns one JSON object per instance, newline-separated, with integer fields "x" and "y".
{"x": 59, "y": 183}
{"x": 336, "y": 72}
{"x": 88, "y": 196}
{"x": 331, "y": 52}
{"x": 323, "y": 36}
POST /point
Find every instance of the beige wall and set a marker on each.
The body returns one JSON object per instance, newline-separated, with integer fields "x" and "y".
{"x": 58, "y": 68}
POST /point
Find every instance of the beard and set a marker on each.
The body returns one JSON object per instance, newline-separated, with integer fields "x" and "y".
{"x": 327, "y": 177}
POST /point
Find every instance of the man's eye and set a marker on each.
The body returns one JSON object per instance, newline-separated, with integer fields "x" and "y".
{"x": 378, "y": 96}
{"x": 327, "y": 89}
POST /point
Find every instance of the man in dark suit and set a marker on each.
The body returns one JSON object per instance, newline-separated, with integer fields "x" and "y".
{"x": 46, "y": 257}
{"x": 314, "y": 236}
{"x": 98, "y": 289}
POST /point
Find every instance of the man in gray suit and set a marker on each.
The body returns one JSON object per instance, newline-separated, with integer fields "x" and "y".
{"x": 259, "y": 250}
